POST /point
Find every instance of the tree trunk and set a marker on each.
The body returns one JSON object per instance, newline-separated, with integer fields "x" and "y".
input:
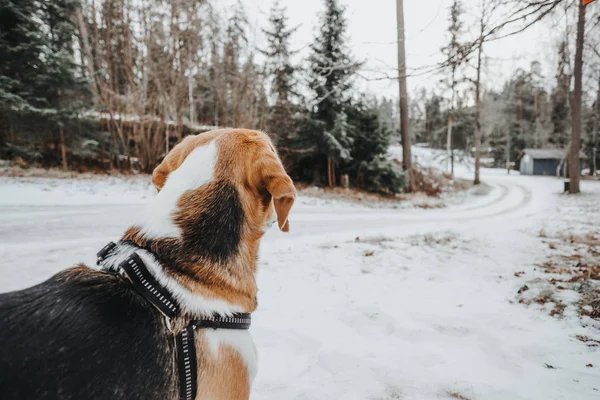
{"x": 102, "y": 163}
{"x": 449, "y": 142}
{"x": 404, "y": 128}
{"x": 330, "y": 172}
{"x": 574, "y": 171}
{"x": 508, "y": 144}
{"x": 476, "y": 179}
{"x": 596, "y": 133}
{"x": 166, "y": 138}
{"x": 191, "y": 98}
{"x": 63, "y": 148}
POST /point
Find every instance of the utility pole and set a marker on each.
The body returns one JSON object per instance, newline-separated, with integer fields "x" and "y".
{"x": 574, "y": 172}
{"x": 404, "y": 132}
{"x": 595, "y": 136}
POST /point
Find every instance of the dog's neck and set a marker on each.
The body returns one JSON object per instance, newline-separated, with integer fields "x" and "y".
{"x": 193, "y": 304}
{"x": 195, "y": 297}
{"x": 197, "y": 236}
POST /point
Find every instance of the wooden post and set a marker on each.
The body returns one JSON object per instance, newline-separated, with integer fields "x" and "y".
{"x": 345, "y": 181}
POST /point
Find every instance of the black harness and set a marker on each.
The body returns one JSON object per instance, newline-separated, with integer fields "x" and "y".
{"x": 134, "y": 270}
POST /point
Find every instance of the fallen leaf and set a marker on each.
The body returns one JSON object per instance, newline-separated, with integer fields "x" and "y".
{"x": 524, "y": 288}
{"x": 589, "y": 365}
{"x": 549, "y": 366}
{"x": 369, "y": 253}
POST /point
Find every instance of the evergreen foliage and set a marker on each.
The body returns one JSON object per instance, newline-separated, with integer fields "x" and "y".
{"x": 116, "y": 84}
{"x": 281, "y": 124}
{"x": 41, "y": 91}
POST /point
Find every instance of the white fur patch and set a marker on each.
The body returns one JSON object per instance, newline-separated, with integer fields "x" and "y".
{"x": 190, "y": 302}
{"x": 240, "y": 341}
{"x": 196, "y": 170}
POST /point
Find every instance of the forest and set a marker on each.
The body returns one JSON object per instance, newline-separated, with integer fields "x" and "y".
{"x": 108, "y": 85}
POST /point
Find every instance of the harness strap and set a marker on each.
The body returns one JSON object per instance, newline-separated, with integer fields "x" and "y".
{"x": 186, "y": 363}
{"x": 104, "y": 252}
{"x": 236, "y": 321}
{"x": 134, "y": 269}
{"x": 149, "y": 287}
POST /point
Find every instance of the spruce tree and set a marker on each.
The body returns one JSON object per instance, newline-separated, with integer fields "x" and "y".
{"x": 40, "y": 91}
{"x": 64, "y": 91}
{"x": 281, "y": 124}
{"x": 20, "y": 48}
{"x": 332, "y": 68}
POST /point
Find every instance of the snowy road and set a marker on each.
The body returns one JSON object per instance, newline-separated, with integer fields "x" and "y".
{"x": 420, "y": 307}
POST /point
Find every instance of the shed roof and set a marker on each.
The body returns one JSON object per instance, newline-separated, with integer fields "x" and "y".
{"x": 548, "y": 154}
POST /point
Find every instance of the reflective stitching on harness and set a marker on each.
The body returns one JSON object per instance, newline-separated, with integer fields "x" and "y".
{"x": 187, "y": 365}
{"x": 147, "y": 285}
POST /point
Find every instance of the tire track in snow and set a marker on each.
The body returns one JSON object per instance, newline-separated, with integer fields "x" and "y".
{"x": 504, "y": 192}
{"x": 516, "y": 195}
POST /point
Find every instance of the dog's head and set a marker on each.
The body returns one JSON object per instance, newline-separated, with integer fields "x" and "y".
{"x": 229, "y": 181}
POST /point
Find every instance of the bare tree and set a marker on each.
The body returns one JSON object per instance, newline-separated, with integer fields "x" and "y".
{"x": 487, "y": 8}
{"x": 455, "y": 57}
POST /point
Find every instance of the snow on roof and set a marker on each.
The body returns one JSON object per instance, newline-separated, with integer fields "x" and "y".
{"x": 552, "y": 154}
{"x": 135, "y": 117}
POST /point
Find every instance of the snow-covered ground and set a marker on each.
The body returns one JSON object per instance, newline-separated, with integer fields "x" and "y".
{"x": 359, "y": 303}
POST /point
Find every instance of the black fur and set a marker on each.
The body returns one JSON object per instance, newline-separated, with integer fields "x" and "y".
{"x": 211, "y": 230}
{"x": 215, "y": 231}
{"x": 83, "y": 334}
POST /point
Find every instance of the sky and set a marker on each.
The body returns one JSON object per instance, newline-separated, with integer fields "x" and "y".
{"x": 372, "y": 38}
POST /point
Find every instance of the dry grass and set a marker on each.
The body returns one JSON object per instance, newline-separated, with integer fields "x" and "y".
{"x": 432, "y": 240}
{"x": 16, "y": 171}
{"x": 458, "y": 395}
{"x": 434, "y": 183}
{"x": 430, "y": 184}
{"x": 574, "y": 263}
{"x": 351, "y": 195}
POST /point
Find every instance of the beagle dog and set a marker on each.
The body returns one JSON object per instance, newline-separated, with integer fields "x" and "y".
{"x": 90, "y": 334}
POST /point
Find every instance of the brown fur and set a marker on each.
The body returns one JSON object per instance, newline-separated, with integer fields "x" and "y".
{"x": 247, "y": 162}
{"x": 223, "y": 377}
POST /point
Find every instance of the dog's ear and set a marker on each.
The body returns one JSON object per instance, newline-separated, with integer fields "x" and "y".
{"x": 172, "y": 161}
{"x": 281, "y": 188}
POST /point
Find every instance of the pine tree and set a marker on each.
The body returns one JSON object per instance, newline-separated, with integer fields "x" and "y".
{"x": 370, "y": 141}
{"x": 64, "y": 91}
{"x": 332, "y": 68}
{"x": 39, "y": 82}
{"x": 370, "y": 137}
{"x": 20, "y": 47}
{"x": 281, "y": 124}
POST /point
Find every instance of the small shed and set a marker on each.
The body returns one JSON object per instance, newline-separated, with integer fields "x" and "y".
{"x": 545, "y": 162}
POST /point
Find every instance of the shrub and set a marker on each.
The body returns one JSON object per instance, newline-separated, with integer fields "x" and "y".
{"x": 381, "y": 175}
